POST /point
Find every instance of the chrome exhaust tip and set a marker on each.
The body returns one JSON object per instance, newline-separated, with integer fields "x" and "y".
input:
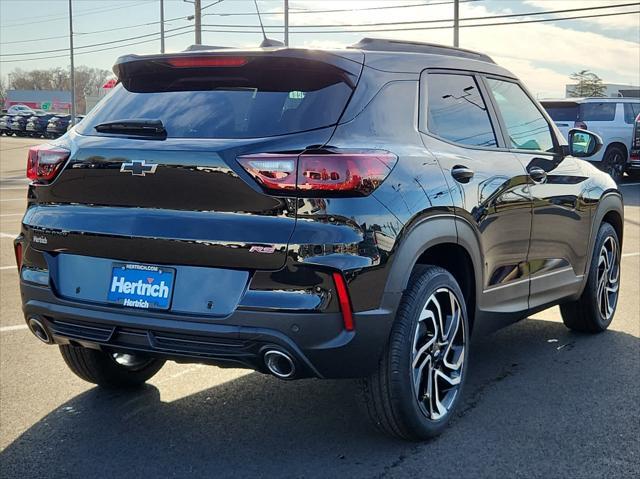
{"x": 280, "y": 364}
{"x": 39, "y": 331}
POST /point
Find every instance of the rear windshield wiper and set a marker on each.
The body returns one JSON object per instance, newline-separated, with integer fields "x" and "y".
{"x": 145, "y": 128}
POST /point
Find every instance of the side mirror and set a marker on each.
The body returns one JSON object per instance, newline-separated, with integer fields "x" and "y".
{"x": 583, "y": 143}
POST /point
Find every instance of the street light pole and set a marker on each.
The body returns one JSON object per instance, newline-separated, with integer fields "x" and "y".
{"x": 456, "y": 23}
{"x": 196, "y": 5}
{"x": 286, "y": 22}
{"x": 73, "y": 77}
{"x": 161, "y": 26}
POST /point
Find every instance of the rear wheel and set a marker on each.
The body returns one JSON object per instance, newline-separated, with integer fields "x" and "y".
{"x": 111, "y": 370}
{"x": 614, "y": 162}
{"x": 418, "y": 383}
{"x": 594, "y": 310}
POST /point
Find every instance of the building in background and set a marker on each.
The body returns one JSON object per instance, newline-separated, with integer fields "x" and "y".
{"x": 613, "y": 90}
{"x": 93, "y": 99}
{"x": 49, "y": 100}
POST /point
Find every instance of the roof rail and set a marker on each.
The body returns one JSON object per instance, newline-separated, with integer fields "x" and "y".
{"x": 384, "y": 45}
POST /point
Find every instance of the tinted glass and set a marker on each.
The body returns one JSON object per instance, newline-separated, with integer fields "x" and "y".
{"x": 526, "y": 127}
{"x": 247, "y": 111}
{"x": 562, "y": 111}
{"x": 456, "y": 110}
{"x": 597, "y": 111}
{"x": 631, "y": 111}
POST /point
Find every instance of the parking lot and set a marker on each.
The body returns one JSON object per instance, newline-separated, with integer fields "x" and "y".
{"x": 540, "y": 401}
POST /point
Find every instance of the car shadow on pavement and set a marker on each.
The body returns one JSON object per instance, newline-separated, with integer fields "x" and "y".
{"x": 540, "y": 400}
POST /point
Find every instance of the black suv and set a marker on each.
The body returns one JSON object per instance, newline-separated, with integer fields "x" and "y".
{"x": 333, "y": 214}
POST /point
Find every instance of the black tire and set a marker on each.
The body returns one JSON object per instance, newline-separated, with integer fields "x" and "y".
{"x": 588, "y": 313}
{"x": 101, "y": 368}
{"x": 390, "y": 395}
{"x": 614, "y": 162}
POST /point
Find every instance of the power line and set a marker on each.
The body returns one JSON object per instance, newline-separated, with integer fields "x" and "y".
{"x": 442, "y": 27}
{"x": 94, "y": 51}
{"x": 155, "y": 34}
{"x": 253, "y": 30}
{"x": 300, "y": 11}
{"x": 65, "y": 17}
{"x": 410, "y": 22}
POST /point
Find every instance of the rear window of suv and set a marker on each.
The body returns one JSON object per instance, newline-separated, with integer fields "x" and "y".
{"x": 230, "y": 103}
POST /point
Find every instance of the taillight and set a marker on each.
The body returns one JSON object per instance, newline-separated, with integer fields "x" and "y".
{"x": 45, "y": 162}
{"x": 331, "y": 173}
{"x": 207, "y": 61}
{"x": 343, "y": 299}
{"x": 581, "y": 125}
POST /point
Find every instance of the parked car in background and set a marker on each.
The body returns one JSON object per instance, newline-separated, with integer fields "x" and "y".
{"x": 57, "y": 125}
{"x": 78, "y": 120}
{"x": 4, "y": 125}
{"x": 611, "y": 118}
{"x": 16, "y": 109}
{"x": 633, "y": 167}
{"x": 18, "y": 123}
{"x": 37, "y": 124}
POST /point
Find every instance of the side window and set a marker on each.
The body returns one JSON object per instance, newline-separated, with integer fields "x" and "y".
{"x": 526, "y": 127}
{"x": 601, "y": 111}
{"x": 631, "y": 111}
{"x": 456, "y": 110}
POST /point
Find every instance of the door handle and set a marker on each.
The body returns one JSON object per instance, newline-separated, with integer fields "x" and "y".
{"x": 461, "y": 173}
{"x": 537, "y": 174}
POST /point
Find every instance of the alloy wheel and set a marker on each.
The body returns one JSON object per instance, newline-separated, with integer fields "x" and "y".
{"x": 438, "y": 354}
{"x": 608, "y": 277}
{"x": 615, "y": 165}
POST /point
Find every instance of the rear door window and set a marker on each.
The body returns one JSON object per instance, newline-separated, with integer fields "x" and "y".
{"x": 601, "y": 111}
{"x": 231, "y": 102}
{"x": 527, "y": 128}
{"x": 631, "y": 111}
{"x": 456, "y": 110}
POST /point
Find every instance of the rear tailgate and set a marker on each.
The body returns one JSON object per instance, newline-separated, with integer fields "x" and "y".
{"x": 185, "y": 199}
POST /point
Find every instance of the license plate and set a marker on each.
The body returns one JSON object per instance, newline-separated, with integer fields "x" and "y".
{"x": 141, "y": 286}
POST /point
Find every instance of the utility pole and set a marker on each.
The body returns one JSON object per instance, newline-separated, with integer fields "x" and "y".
{"x": 161, "y": 26}
{"x": 286, "y": 23}
{"x": 73, "y": 77}
{"x": 456, "y": 23}
{"x": 198, "y": 18}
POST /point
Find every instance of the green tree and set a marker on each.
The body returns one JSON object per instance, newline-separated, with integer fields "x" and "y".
{"x": 587, "y": 84}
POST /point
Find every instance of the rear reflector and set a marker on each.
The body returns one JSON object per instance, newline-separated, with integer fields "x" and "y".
{"x": 207, "y": 61}
{"x": 18, "y": 252}
{"x": 343, "y": 299}
{"x": 334, "y": 173}
{"x": 44, "y": 162}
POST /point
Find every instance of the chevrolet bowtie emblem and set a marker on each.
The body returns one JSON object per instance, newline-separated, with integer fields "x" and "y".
{"x": 138, "y": 168}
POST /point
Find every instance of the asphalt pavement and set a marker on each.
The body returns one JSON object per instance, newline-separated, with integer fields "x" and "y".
{"x": 540, "y": 401}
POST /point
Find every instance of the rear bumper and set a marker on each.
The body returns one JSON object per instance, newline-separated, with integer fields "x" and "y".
{"x": 633, "y": 165}
{"x": 317, "y": 342}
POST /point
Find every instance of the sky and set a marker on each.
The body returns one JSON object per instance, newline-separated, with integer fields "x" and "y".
{"x": 34, "y": 33}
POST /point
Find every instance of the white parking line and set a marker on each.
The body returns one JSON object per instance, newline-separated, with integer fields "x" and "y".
{"x": 7, "y": 267}
{"x": 17, "y": 327}
{"x": 11, "y": 214}
{"x": 629, "y": 184}
{"x": 628, "y": 255}
{"x": 13, "y": 199}
{"x": 7, "y": 235}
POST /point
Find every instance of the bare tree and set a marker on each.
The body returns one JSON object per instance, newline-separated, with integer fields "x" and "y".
{"x": 588, "y": 84}
{"x": 88, "y": 80}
